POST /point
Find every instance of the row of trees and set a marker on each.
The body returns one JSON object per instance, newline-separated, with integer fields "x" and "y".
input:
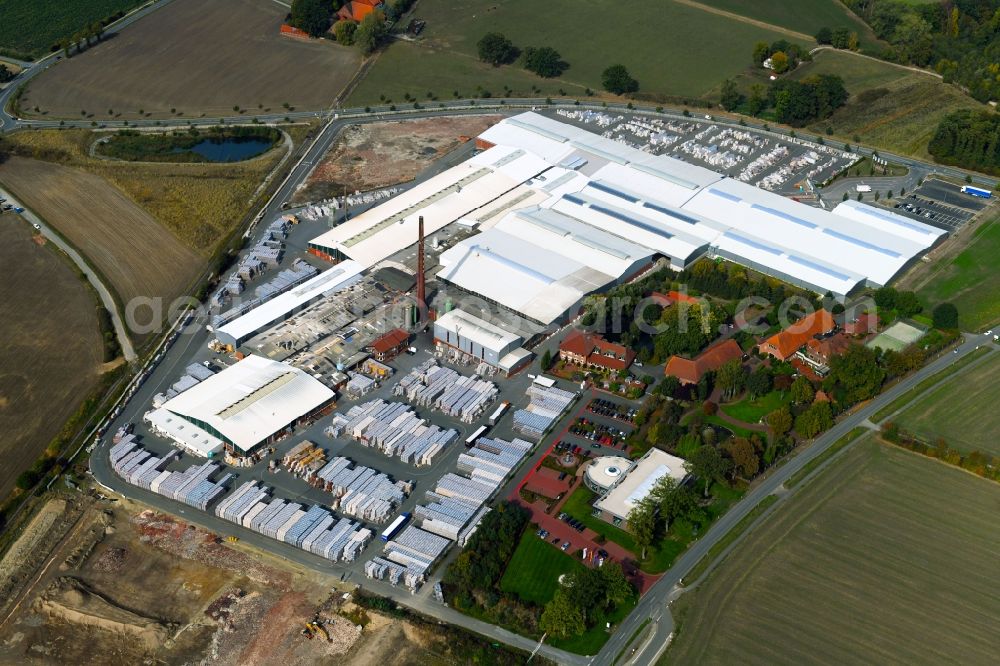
{"x": 81, "y": 38}
{"x": 838, "y": 38}
{"x": 977, "y": 462}
{"x": 496, "y": 49}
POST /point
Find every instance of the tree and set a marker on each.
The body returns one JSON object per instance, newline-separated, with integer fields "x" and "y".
{"x": 313, "y": 16}
{"x": 802, "y": 392}
{"x": 617, "y": 80}
{"x": 824, "y": 36}
{"x": 496, "y": 49}
{"x": 945, "y": 316}
{"x": 708, "y": 465}
{"x": 731, "y": 96}
{"x": 642, "y": 524}
{"x": 759, "y": 382}
{"x": 855, "y": 375}
{"x": 745, "y": 461}
{"x": 758, "y": 99}
{"x": 814, "y": 420}
{"x": 669, "y": 386}
{"x": 761, "y": 51}
{"x": 617, "y": 587}
{"x": 907, "y": 303}
{"x": 344, "y": 31}
{"x": 546, "y": 359}
{"x": 561, "y": 617}
{"x": 544, "y": 61}
{"x": 779, "y": 62}
{"x": 730, "y": 378}
{"x": 371, "y": 31}
{"x": 780, "y": 421}
{"x": 841, "y": 38}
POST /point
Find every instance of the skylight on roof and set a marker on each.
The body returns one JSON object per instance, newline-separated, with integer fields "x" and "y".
{"x": 750, "y": 243}
{"x": 816, "y": 267}
{"x": 785, "y": 216}
{"x": 724, "y": 195}
{"x": 672, "y": 213}
{"x": 861, "y": 243}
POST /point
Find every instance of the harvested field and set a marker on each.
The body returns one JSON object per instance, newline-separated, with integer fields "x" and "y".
{"x": 116, "y": 235}
{"x": 220, "y": 54}
{"x": 30, "y": 28}
{"x": 372, "y": 156}
{"x": 886, "y": 557}
{"x": 51, "y": 351}
{"x": 959, "y": 409}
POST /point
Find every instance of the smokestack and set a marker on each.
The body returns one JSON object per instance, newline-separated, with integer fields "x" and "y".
{"x": 421, "y": 287}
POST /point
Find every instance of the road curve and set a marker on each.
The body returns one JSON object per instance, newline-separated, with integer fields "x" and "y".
{"x": 128, "y": 351}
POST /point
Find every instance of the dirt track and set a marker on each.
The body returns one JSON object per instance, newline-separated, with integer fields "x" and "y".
{"x": 198, "y": 57}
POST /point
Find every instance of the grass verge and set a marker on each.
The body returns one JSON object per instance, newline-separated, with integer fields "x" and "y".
{"x": 732, "y": 535}
{"x": 831, "y": 451}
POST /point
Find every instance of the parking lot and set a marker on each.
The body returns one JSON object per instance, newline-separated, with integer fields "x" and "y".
{"x": 781, "y": 164}
{"x": 940, "y": 204}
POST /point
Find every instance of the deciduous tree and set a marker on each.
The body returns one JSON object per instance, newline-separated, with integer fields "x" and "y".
{"x": 496, "y": 49}
{"x": 561, "y": 617}
{"x": 617, "y": 80}
{"x": 708, "y": 465}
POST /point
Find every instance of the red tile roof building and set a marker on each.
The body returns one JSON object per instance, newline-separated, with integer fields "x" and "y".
{"x": 355, "y": 10}
{"x": 671, "y": 297}
{"x": 784, "y": 344}
{"x": 592, "y": 351}
{"x": 389, "y": 345}
{"x": 691, "y": 371}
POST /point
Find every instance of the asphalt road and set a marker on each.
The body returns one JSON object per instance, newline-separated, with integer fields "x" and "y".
{"x": 102, "y": 290}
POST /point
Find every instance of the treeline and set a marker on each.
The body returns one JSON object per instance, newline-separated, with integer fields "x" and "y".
{"x": 960, "y": 40}
{"x": 977, "y": 462}
{"x": 969, "y": 139}
{"x": 795, "y": 103}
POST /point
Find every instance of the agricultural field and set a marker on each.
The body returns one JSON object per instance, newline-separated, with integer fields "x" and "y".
{"x": 52, "y": 349}
{"x": 804, "y": 16}
{"x": 117, "y": 236}
{"x": 376, "y": 155}
{"x": 662, "y": 46}
{"x": 221, "y": 54}
{"x": 29, "y": 29}
{"x": 533, "y": 573}
{"x": 886, "y": 556}
{"x": 890, "y": 108}
{"x": 960, "y": 410}
{"x": 963, "y": 273}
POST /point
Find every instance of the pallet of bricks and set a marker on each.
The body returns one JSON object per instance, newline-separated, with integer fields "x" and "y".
{"x": 544, "y": 407}
{"x": 360, "y": 491}
{"x": 141, "y": 468}
{"x": 430, "y": 385}
{"x": 408, "y": 557}
{"x": 394, "y": 429}
{"x": 313, "y": 529}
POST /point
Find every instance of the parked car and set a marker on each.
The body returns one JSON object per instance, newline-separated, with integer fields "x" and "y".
{"x": 565, "y": 546}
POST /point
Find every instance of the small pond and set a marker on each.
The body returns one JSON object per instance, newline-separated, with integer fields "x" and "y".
{"x": 232, "y": 149}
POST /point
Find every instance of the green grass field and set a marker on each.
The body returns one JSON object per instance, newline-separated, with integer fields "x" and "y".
{"x": 752, "y": 411}
{"x": 915, "y": 392}
{"x": 806, "y": 16}
{"x": 966, "y": 279}
{"x": 533, "y": 573}
{"x": 663, "y": 46}
{"x": 960, "y": 409}
{"x": 859, "y": 74}
{"x": 887, "y": 557}
{"x": 28, "y": 28}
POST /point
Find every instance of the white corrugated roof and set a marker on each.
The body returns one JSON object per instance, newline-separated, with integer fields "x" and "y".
{"x": 476, "y": 329}
{"x": 250, "y": 401}
{"x": 278, "y": 308}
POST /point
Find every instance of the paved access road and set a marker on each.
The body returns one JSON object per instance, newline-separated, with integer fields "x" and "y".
{"x": 102, "y": 290}
{"x": 655, "y": 603}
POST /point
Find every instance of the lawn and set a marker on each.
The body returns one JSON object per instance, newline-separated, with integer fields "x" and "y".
{"x": 753, "y": 410}
{"x": 534, "y": 570}
{"x": 859, "y": 74}
{"x": 663, "y": 45}
{"x": 886, "y": 557}
{"x": 966, "y": 279}
{"x": 961, "y": 409}
{"x": 29, "y": 28}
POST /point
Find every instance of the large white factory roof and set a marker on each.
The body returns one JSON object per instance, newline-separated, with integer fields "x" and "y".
{"x": 565, "y": 212}
{"x": 278, "y": 308}
{"x": 248, "y": 402}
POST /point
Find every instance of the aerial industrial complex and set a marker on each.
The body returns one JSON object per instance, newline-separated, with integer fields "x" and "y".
{"x": 561, "y": 212}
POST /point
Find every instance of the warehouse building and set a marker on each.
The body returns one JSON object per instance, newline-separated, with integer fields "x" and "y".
{"x": 250, "y": 403}
{"x": 562, "y": 212}
{"x": 280, "y": 308}
{"x": 629, "y": 486}
{"x": 481, "y": 340}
